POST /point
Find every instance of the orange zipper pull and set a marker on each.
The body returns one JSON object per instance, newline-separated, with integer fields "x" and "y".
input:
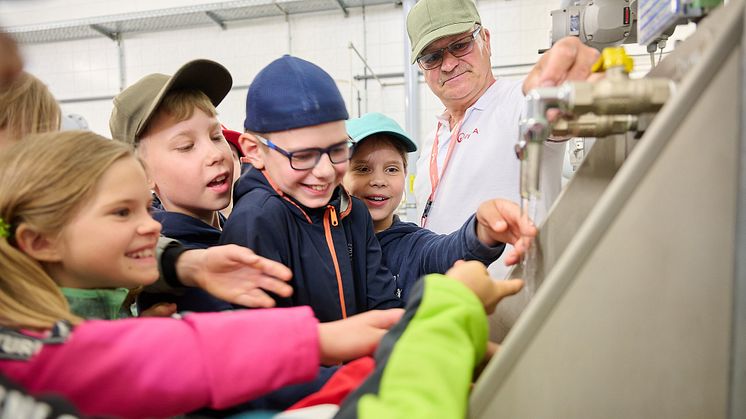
{"x": 333, "y": 213}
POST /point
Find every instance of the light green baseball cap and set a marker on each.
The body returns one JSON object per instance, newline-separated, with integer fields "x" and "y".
{"x": 378, "y": 123}
{"x": 430, "y": 20}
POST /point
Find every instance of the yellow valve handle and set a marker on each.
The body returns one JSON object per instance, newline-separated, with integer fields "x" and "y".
{"x": 613, "y": 57}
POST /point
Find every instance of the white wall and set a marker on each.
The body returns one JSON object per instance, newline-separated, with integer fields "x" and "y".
{"x": 89, "y": 68}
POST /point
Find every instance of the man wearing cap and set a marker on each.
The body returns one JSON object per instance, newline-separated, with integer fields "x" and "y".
{"x": 470, "y": 157}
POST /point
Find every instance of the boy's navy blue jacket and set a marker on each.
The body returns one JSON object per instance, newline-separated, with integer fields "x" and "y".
{"x": 410, "y": 251}
{"x": 194, "y": 234}
{"x": 332, "y": 251}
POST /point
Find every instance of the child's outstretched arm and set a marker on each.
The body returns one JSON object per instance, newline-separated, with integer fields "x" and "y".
{"x": 500, "y": 221}
{"x": 159, "y": 367}
{"x": 355, "y": 336}
{"x": 234, "y": 274}
{"x": 411, "y": 251}
{"x": 424, "y": 365}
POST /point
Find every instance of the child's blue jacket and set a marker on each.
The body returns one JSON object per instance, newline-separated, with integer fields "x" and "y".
{"x": 332, "y": 251}
{"x": 410, "y": 251}
{"x": 193, "y": 233}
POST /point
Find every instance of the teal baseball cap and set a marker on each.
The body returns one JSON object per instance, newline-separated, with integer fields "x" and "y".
{"x": 378, "y": 123}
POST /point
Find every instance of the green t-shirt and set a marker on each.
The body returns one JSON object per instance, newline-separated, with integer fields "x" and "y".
{"x": 105, "y": 304}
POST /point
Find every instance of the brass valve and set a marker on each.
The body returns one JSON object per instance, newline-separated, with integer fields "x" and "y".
{"x": 591, "y": 125}
{"x": 616, "y": 93}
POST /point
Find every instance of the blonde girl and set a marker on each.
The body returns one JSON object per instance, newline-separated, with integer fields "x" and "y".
{"x": 53, "y": 229}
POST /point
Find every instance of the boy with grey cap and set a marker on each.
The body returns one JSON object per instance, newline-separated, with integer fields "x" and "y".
{"x": 171, "y": 121}
{"x": 472, "y": 146}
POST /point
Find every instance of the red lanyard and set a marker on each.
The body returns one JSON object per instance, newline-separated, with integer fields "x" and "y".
{"x": 434, "y": 178}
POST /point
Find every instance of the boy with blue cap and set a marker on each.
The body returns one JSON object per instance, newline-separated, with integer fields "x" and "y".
{"x": 290, "y": 207}
{"x": 377, "y": 176}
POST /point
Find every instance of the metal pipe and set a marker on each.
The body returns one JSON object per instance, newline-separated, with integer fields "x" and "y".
{"x": 365, "y": 52}
{"x": 534, "y": 129}
{"x": 411, "y": 111}
{"x": 287, "y": 20}
{"x": 122, "y": 63}
{"x": 111, "y": 97}
{"x": 343, "y": 6}
{"x": 215, "y": 18}
{"x": 591, "y": 125}
{"x": 100, "y": 29}
{"x": 365, "y": 63}
{"x": 617, "y": 94}
{"x": 380, "y": 76}
{"x": 85, "y": 99}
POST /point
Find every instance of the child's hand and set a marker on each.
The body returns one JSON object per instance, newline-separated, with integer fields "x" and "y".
{"x": 160, "y": 310}
{"x": 500, "y": 221}
{"x": 474, "y": 275}
{"x": 356, "y": 336}
{"x": 234, "y": 274}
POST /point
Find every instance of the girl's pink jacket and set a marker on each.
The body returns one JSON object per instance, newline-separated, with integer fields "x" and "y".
{"x": 156, "y": 367}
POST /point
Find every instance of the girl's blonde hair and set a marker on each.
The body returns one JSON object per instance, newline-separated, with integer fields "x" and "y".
{"x": 44, "y": 180}
{"x": 27, "y": 107}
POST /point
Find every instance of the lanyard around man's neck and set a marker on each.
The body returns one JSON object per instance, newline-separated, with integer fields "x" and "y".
{"x": 434, "y": 177}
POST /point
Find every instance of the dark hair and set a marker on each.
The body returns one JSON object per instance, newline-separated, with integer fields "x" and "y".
{"x": 387, "y": 139}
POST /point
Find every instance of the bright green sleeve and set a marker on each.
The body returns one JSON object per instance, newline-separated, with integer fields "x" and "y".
{"x": 425, "y": 364}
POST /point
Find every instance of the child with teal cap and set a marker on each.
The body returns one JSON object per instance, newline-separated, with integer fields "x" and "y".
{"x": 377, "y": 175}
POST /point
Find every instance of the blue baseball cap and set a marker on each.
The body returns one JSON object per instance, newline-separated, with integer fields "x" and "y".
{"x": 292, "y": 93}
{"x": 378, "y": 123}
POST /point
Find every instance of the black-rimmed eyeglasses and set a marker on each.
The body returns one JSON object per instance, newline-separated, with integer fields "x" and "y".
{"x": 458, "y": 49}
{"x": 308, "y": 158}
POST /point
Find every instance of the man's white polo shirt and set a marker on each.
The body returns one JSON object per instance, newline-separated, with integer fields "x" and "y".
{"x": 483, "y": 164}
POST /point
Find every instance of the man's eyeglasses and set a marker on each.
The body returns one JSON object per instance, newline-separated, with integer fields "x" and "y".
{"x": 308, "y": 158}
{"x": 457, "y": 48}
